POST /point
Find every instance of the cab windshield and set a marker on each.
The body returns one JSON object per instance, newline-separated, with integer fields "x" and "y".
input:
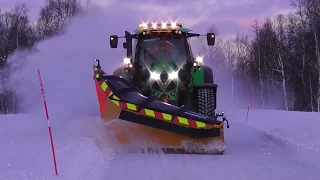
{"x": 164, "y": 48}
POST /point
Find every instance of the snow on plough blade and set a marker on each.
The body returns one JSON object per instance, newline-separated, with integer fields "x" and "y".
{"x": 165, "y": 127}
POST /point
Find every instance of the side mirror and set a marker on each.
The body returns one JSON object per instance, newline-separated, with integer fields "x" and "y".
{"x": 125, "y": 45}
{"x": 211, "y": 39}
{"x": 114, "y": 41}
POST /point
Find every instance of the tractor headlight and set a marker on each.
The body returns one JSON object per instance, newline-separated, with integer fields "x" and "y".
{"x": 199, "y": 59}
{"x": 173, "y": 75}
{"x": 126, "y": 61}
{"x": 154, "y": 75}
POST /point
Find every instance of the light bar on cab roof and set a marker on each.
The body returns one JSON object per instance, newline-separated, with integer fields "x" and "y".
{"x": 163, "y": 25}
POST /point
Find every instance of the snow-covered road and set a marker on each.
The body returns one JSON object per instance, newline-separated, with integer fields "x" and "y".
{"x": 273, "y": 145}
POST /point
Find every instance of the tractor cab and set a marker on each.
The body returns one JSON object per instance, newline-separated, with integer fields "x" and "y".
{"x": 162, "y": 46}
{"x": 162, "y": 63}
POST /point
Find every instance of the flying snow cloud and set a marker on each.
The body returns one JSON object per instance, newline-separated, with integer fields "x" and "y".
{"x": 66, "y": 64}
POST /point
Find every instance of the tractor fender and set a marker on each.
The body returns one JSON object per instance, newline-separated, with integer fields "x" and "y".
{"x": 202, "y": 75}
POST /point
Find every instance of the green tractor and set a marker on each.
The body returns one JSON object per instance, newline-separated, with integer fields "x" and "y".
{"x": 163, "y": 66}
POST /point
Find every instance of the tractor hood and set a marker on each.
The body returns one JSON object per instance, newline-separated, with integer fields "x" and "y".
{"x": 161, "y": 64}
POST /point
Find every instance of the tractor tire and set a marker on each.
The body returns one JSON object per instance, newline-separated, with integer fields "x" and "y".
{"x": 206, "y": 102}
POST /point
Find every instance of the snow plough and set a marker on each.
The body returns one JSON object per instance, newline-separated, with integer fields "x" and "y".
{"x": 161, "y": 93}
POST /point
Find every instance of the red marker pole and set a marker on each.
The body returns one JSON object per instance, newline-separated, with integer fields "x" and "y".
{"x": 49, "y": 127}
{"x": 249, "y": 105}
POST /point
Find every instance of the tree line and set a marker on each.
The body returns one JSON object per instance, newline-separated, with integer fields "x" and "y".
{"x": 18, "y": 31}
{"x": 280, "y": 60}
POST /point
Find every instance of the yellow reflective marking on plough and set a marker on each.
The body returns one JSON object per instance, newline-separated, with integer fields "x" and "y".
{"x": 149, "y": 112}
{"x": 200, "y": 124}
{"x": 115, "y": 97}
{"x": 97, "y": 75}
{"x": 104, "y": 86}
{"x": 131, "y": 106}
{"x": 116, "y": 102}
{"x": 95, "y": 69}
{"x": 183, "y": 120}
{"x": 167, "y": 117}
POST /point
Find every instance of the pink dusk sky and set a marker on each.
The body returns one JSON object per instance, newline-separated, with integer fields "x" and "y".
{"x": 229, "y": 16}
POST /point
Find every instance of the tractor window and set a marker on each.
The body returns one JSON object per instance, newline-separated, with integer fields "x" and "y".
{"x": 171, "y": 49}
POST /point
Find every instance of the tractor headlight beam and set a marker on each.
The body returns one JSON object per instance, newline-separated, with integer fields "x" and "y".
{"x": 173, "y": 75}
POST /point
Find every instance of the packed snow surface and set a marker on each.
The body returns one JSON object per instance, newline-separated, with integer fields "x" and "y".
{"x": 272, "y": 145}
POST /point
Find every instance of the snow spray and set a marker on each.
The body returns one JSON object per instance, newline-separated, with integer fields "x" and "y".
{"x": 249, "y": 104}
{"x": 49, "y": 127}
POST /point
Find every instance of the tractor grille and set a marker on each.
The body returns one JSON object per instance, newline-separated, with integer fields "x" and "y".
{"x": 170, "y": 87}
{"x": 164, "y": 77}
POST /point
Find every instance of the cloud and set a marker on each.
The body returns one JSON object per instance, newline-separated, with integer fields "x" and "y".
{"x": 241, "y": 17}
{"x": 188, "y": 12}
{"x": 101, "y": 3}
